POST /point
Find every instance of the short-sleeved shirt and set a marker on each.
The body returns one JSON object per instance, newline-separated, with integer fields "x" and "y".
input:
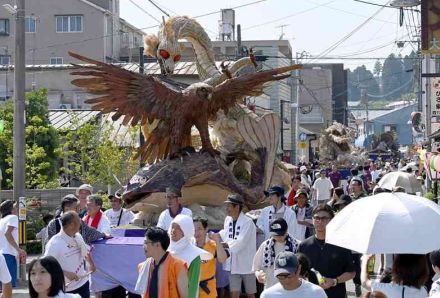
{"x": 6, "y": 222}
{"x": 330, "y": 260}
{"x": 5, "y": 277}
{"x": 306, "y": 289}
{"x": 68, "y": 254}
{"x": 165, "y": 218}
{"x": 392, "y": 290}
{"x": 335, "y": 178}
{"x": 113, "y": 216}
{"x": 323, "y": 186}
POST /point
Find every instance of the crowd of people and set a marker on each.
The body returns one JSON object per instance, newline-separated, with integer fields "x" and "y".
{"x": 283, "y": 253}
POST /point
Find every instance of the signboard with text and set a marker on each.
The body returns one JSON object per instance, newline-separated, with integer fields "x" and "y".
{"x": 430, "y": 26}
{"x": 435, "y": 100}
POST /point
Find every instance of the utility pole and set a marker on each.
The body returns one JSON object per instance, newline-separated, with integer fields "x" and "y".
{"x": 19, "y": 167}
{"x": 19, "y": 103}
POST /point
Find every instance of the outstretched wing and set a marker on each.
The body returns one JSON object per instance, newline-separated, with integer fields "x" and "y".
{"x": 135, "y": 97}
{"x": 228, "y": 93}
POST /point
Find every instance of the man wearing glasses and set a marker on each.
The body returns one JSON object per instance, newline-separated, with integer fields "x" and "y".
{"x": 161, "y": 275}
{"x": 287, "y": 271}
{"x": 334, "y": 263}
{"x": 175, "y": 208}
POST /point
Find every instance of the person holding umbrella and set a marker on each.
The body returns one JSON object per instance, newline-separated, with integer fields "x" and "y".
{"x": 409, "y": 274}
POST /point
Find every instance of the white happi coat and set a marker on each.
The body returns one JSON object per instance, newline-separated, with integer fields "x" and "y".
{"x": 242, "y": 244}
{"x": 268, "y": 214}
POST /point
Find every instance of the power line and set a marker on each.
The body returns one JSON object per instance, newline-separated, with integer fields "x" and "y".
{"x": 287, "y": 17}
{"x": 155, "y": 5}
{"x": 218, "y": 11}
{"x": 143, "y": 10}
{"x": 335, "y": 45}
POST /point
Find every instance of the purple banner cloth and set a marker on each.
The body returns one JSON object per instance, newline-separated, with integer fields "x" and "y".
{"x": 116, "y": 261}
{"x": 128, "y": 232}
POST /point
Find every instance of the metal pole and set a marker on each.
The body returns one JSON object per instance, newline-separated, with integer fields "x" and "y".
{"x": 19, "y": 169}
{"x": 295, "y": 142}
{"x": 141, "y": 71}
{"x": 282, "y": 129}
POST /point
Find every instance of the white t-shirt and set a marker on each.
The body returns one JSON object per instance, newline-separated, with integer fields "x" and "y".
{"x": 392, "y": 290}
{"x": 306, "y": 289}
{"x": 68, "y": 253}
{"x": 165, "y": 218}
{"x": 5, "y": 277}
{"x": 113, "y": 216}
{"x": 322, "y": 187}
{"x": 8, "y": 221}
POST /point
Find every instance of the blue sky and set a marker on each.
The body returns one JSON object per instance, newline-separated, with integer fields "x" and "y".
{"x": 312, "y": 25}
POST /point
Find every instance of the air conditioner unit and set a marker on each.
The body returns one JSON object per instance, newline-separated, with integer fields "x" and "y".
{"x": 65, "y": 106}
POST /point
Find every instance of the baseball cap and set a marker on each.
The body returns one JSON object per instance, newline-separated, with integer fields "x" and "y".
{"x": 285, "y": 262}
{"x": 85, "y": 187}
{"x": 274, "y": 189}
{"x": 278, "y": 227}
{"x": 235, "y": 198}
{"x": 173, "y": 190}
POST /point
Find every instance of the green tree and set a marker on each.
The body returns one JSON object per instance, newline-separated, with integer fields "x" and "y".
{"x": 361, "y": 78}
{"x": 95, "y": 154}
{"x": 377, "y": 70}
{"x": 41, "y": 142}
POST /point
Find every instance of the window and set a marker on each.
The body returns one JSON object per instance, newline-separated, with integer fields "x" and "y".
{"x": 30, "y": 25}
{"x": 5, "y": 59}
{"x": 4, "y": 26}
{"x": 389, "y": 127}
{"x": 56, "y": 60}
{"x": 69, "y": 23}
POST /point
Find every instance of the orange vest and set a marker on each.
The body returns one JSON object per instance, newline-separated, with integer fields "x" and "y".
{"x": 207, "y": 271}
{"x": 168, "y": 273}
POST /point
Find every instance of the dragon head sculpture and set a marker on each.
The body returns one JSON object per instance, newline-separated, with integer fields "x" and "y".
{"x": 165, "y": 47}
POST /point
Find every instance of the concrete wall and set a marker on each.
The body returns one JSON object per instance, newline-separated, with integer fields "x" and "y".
{"x": 46, "y": 42}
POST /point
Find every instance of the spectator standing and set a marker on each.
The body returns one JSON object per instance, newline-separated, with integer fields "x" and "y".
{"x": 181, "y": 246}
{"x": 70, "y": 203}
{"x": 239, "y": 233}
{"x": 277, "y": 209}
{"x": 161, "y": 275}
{"x": 305, "y": 178}
{"x": 82, "y": 193}
{"x": 287, "y": 271}
{"x": 335, "y": 176}
{"x": 9, "y": 238}
{"x": 334, "y": 263}
{"x": 117, "y": 215}
{"x": 409, "y": 274}
{"x": 42, "y": 234}
{"x": 264, "y": 259}
{"x": 357, "y": 189}
{"x": 46, "y": 279}
{"x": 95, "y": 217}
{"x": 70, "y": 250}
{"x": 322, "y": 188}
{"x": 295, "y": 186}
{"x": 214, "y": 246}
{"x": 434, "y": 257}
{"x": 5, "y": 278}
{"x": 303, "y": 212}
{"x": 175, "y": 208}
